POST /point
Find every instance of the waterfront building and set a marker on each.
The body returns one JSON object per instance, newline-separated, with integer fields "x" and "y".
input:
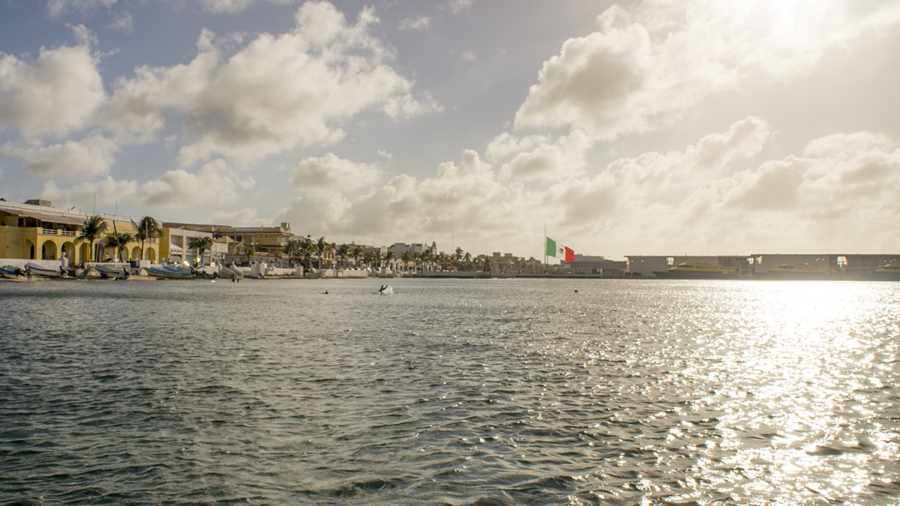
{"x": 597, "y": 265}
{"x": 232, "y": 244}
{"x": 174, "y": 246}
{"x": 645, "y": 265}
{"x": 399, "y": 248}
{"x": 36, "y": 230}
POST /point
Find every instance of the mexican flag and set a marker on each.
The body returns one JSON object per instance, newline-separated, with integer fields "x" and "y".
{"x": 563, "y": 253}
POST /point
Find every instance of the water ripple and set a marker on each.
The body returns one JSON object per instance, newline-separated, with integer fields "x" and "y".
{"x": 457, "y": 392}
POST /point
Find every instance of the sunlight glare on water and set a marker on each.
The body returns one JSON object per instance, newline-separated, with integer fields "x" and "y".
{"x": 456, "y": 392}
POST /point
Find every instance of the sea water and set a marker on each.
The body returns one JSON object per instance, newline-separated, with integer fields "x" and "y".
{"x": 458, "y": 392}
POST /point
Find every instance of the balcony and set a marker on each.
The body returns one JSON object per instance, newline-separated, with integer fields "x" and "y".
{"x": 51, "y": 231}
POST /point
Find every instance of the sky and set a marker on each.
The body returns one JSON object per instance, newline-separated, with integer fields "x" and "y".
{"x": 656, "y": 127}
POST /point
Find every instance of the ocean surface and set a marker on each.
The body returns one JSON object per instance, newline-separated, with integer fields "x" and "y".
{"x": 457, "y": 392}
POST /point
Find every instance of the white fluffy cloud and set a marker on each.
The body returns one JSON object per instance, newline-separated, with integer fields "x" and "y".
{"x": 332, "y": 173}
{"x": 246, "y": 217}
{"x": 687, "y": 201}
{"x": 840, "y": 195}
{"x": 92, "y": 156}
{"x": 58, "y": 93}
{"x": 465, "y": 195}
{"x": 235, "y": 6}
{"x": 562, "y": 159}
{"x": 214, "y": 183}
{"x": 418, "y": 24}
{"x": 649, "y": 63}
{"x": 57, "y": 7}
{"x": 275, "y": 94}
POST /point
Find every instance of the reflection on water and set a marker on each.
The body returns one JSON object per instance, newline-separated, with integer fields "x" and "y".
{"x": 450, "y": 391}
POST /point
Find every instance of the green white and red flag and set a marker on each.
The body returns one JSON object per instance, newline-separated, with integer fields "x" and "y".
{"x": 556, "y": 250}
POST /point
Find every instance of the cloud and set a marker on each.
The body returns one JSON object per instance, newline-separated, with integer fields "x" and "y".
{"x": 691, "y": 201}
{"x": 459, "y": 196}
{"x": 277, "y": 93}
{"x": 418, "y": 24}
{"x": 650, "y": 63}
{"x": 57, "y": 7}
{"x": 840, "y": 195}
{"x": 92, "y": 156}
{"x": 468, "y": 56}
{"x": 245, "y": 217}
{"x": 58, "y": 93}
{"x": 121, "y": 22}
{"x": 235, "y": 6}
{"x": 562, "y": 159}
{"x": 332, "y": 173}
{"x": 214, "y": 183}
{"x": 458, "y": 5}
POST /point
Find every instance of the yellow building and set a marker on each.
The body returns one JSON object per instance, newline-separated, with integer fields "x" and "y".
{"x": 265, "y": 241}
{"x": 37, "y": 231}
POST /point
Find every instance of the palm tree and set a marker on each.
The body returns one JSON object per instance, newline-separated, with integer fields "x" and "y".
{"x": 321, "y": 247}
{"x": 201, "y": 244}
{"x": 249, "y": 254}
{"x": 145, "y": 230}
{"x": 369, "y": 258}
{"x": 389, "y": 258}
{"x": 357, "y": 253}
{"x": 117, "y": 241}
{"x": 407, "y": 257}
{"x": 467, "y": 259}
{"x": 377, "y": 258}
{"x": 426, "y": 256}
{"x": 93, "y": 229}
{"x": 343, "y": 251}
{"x": 292, "y": 249}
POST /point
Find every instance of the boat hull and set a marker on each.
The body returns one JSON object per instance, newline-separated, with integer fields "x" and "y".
{"x": 693, "y": 275}
{"x": 165, "y": 273}
{"x": 110, "y": 272}
{"x": 40, "y": 270}
{"x": 797, "y": 276}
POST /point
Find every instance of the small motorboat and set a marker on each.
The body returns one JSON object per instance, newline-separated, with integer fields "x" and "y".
{"x": 167, "y": 273}
{"x": 109, "y": 272}
{"x": 385, "y": 290}
{"x": 47, "y": 272}
{"x": 11, "y": 272}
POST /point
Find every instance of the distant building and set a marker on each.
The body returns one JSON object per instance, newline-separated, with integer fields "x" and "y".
{"x": 849, "y": 264}
{"x": 36, "y": 230}
{"x": 233, "y": 243}
{"x": 646, "y": 265}
{"x": 585, "y": 264}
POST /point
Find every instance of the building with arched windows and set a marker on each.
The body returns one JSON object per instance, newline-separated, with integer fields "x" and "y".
{"x": 36, "y": 230}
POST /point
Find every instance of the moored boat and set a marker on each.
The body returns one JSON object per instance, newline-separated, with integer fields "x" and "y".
{"x": 46, "y": 272}
{"x": 109, "y": 272}
{"x": 795, "y": 271}
{"x": 698, "y": 270}
{"x": 11, "y": 272}
{"x": 158, "y": 272}
{"x": 888, "y": 272}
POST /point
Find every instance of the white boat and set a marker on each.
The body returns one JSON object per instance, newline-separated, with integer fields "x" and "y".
{"x": 109, "y": 272}
{"x": 47, "y": 272}
{"x": 385, "y": 290}
{"x": 231, "y": 270}
{"x": 10, "y": 272}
